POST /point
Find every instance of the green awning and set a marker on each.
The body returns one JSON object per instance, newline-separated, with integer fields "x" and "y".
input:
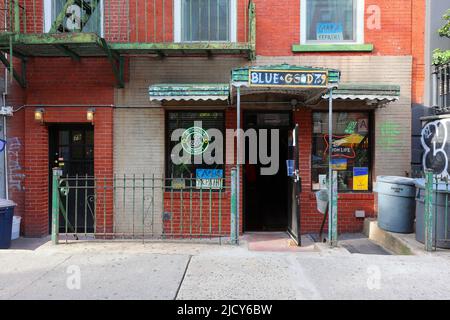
{"x": 303, "y": 83}
{"x": 366, "y": 92}
{"x": 189, "y": 91}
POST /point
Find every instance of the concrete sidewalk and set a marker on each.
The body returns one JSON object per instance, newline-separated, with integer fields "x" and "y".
{"x": 35, "y": 269}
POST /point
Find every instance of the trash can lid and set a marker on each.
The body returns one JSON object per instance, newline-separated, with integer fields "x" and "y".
{"x": 4, "y": 203}
{"x": 397, "y": 180}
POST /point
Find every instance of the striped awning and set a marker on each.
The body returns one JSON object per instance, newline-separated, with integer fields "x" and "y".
{"x": 189, "y": 91}
{"x": 366, "y": 92}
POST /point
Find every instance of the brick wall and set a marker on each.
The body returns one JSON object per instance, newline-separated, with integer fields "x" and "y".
{"x": 15, "y": 98}
{"x": 51, "y": 83}
{"x": 139, "y": 153}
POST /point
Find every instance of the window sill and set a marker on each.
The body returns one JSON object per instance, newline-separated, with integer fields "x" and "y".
{"x": 367, "y": 47}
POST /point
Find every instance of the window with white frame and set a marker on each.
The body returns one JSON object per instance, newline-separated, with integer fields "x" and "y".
{"x": 205, "y": 20}
{"x": 332, "y": 21}
{"x": 82, "y": 16}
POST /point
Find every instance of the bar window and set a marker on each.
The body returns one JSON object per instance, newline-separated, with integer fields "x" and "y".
{"x": 205, "y": 20}
{"x": 332, "y": 21}
{"x": 204, "y": 175}
{"x": 351, "y": 151}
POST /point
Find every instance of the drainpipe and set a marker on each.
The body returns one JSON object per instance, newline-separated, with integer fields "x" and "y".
{"x": 238, "y": 156}
{"x": 5, "y": 135}
{"x": 5, "y": 153}
{"x": 4, "y": 94}
{"x": 434, "y": 90}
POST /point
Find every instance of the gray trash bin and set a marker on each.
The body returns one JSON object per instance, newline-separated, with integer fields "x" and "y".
{"x": 441, "y": 195}
{"x": 396, "y": 203}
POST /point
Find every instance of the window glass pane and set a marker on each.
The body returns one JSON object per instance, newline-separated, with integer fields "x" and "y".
{"x": 75, "y": 14}
{"x": 63, "y": 137}
{"x": 205, "y": 20}
{"x": 77, "y": 137}
{"x": 90, "y": 137}
{"x": 186, "y": 121}
{"x": 330, "y": 20}
{"x": 351, "y": 150}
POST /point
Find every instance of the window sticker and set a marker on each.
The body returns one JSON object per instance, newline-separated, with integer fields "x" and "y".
{"x": 360, "y": 179}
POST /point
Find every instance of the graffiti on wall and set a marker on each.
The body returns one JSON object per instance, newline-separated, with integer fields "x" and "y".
{"x": 2, "y": 145}
{"x": 16, "y": 176}
{"x": 436, "y": 146}
{"x": 388, "y": 138}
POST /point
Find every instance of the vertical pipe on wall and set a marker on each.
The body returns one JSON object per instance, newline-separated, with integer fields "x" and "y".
{"x": 434, "y": 93}
{"x": 330, "y": 173}
{"x": 234, "y": 226}
{"x": 238, "y": 158}
{"x": 5, "y": 154}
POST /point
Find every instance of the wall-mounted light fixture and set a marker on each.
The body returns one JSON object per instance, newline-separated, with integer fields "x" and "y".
{"x": 90, "y": 115}
{"x": 39, "y": 115}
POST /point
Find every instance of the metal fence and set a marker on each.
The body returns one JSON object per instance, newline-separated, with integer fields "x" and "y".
{"x": 441, "y": 88}
{"x": 12, "y": 16}
{"x": 434, "y": 226}
{"x": 141, "y": 207}
{"x": 136, "y": 21}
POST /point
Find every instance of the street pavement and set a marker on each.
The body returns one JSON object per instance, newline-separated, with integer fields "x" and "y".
{"x": 35, "y": 269}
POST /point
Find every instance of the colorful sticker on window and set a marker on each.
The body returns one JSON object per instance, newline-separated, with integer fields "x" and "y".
{"x": 360, "y": 179}
{"x": 209, "y": 178}
{"x": 339, "y": 164}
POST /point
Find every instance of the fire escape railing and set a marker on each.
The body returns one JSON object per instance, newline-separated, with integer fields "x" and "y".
{"x": 441, "y": 88}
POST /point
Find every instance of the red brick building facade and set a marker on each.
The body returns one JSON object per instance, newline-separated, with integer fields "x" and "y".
{"x": 142, "y": 52}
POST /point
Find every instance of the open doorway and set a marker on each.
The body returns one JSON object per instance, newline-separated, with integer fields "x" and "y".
{"x": 266, "y": 197}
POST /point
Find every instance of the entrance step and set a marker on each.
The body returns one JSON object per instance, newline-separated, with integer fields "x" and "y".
{"x": 276, "y": 242}
{"x": 353, "y": 243}
{"x": 399, "y": 244}
{"x": 359, "y": 243}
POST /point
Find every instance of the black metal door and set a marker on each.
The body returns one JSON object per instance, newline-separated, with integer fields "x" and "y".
{"x": 71, "y": 149}
{"x": 294, "y": 188}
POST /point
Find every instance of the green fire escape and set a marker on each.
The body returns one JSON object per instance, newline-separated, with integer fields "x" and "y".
{"x": 71, "y": 35}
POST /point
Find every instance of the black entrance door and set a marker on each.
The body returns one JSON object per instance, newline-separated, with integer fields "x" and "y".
{"x": 294, "y": 188}
{"x": 266, "y": 196}
{"x": 71, "y": 148}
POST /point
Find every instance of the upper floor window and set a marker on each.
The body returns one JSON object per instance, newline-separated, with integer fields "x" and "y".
{"x": 81, "y": 16}
{"x": 332, "y": 21}
{"x": 205, "y": 20}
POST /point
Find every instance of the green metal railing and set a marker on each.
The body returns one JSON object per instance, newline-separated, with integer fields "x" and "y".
{"x": 141, "y": 207}
{"x": 130, "y": 21}
{"x": 12, "y": 16}
{"x": 436, "y": 211}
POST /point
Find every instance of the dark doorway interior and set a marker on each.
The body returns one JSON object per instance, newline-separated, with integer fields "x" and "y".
{"x": 266, "y": 196}
{"x": 71, "y": 148}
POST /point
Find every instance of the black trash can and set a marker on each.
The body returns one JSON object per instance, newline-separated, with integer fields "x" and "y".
{"x": 6, "y": 220}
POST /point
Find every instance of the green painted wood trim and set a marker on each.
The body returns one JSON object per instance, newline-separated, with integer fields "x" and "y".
{"x": 169, "y": 46}
{"x": 19, "y": 78}
{"x": 332, "y": 47}
{"x": 117, "y": 64}
{"x": 67, "y": 52}
{"x": 17, "y": 17}
{"x": 252, "y": 30}
{"x": 56, "y": 38}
